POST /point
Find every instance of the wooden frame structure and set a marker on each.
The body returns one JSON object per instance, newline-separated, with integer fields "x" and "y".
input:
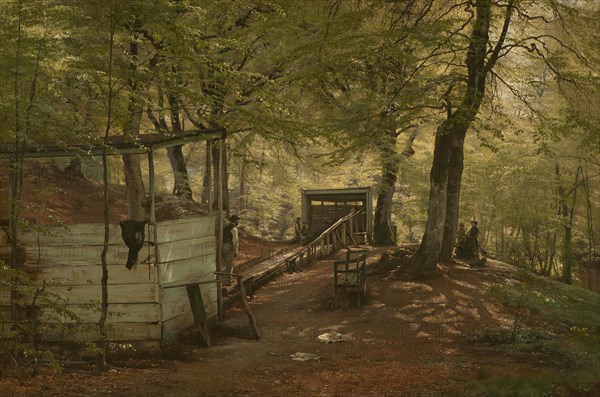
{"x": 322, "y": 207}
{"x": 351, "y": 273}
{"x": 152, "y": 305}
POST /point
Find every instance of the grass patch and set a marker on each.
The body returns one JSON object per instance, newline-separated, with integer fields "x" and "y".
{"x": 565, "y": 340}
{"x": 551, "y": 383}
{"x": 567, "y": 308}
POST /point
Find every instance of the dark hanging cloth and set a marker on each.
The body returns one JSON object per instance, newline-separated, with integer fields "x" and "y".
{"x": 132, "y": 233}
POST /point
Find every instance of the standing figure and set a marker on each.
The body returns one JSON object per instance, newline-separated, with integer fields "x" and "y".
{"x": 461, "y": 233}
{"x": 298, "y": 231}
{"x": 460, "y": 240}
{"x": 304, "y": 229}
{"x": 471, "y": 243}
{"x": 230, "y": 247}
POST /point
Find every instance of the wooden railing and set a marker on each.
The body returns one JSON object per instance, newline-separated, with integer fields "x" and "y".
{"x": 336, "y": 236}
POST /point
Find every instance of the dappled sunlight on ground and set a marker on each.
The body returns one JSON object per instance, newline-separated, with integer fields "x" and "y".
{"x": 410, "y": 338}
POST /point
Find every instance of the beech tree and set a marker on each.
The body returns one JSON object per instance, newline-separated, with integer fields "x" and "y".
{"x": 494, "y": 36}
{"x": 375, "y": 94}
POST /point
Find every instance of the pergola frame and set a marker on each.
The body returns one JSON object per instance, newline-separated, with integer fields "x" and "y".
{"x": 142, "y": 144}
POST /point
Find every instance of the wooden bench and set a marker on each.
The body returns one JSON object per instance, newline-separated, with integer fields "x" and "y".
{"x": 351, "y": 273}
{"x": 361, "y": 237}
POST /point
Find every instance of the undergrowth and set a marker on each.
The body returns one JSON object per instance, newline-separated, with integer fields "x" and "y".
{"x": 556, "y": 324}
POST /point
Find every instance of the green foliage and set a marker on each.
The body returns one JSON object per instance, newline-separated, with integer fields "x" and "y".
{"x": 568, "y": 336}
{"x": 550, "y": 383}
{"x": 41, "y": 314}
{"x": 575, "y": 308}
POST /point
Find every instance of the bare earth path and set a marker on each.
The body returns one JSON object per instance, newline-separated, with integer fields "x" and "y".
{"x": 410, "y": 339}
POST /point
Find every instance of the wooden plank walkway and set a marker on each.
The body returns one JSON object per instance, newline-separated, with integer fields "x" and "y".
{"x": 260, "y": 273}
{"x": 336, "y": 236}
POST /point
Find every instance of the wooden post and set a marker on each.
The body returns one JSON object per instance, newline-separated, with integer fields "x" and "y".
{"x": 198, "y": 311}
{"x": 219, "y": 188}
{"x": 210, "y": 177}
{"x": 152, "y": 193}
{"x": 253, "y": 322}
{"x": 334, "y": 241}
{"x": 343, "y": 226}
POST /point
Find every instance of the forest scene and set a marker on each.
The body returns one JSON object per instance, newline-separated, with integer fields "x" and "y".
{"x": 300, "y": 198}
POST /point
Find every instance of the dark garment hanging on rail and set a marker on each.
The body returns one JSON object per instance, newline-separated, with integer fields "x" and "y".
{"x": 132, "y": 233}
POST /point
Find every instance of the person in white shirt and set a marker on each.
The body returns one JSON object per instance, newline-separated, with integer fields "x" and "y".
{"x": 230, "y": 245}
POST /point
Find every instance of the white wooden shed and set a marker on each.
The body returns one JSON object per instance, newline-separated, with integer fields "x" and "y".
{"x": 148, "y": 305}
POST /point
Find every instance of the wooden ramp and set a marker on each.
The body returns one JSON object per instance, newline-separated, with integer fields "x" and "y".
{"x": 293, "y": 258}
{"x": 260, "y": 273}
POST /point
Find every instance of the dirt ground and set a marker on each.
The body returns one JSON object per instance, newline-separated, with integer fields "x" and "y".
{"x": 409, "y": 339}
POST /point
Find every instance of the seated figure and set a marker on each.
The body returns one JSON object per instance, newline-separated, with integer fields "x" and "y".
{"x": 468, "y": 246}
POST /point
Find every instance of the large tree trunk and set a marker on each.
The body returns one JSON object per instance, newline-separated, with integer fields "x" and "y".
{"x": 426, "y": 258}
{"x": 455, "y": 170}
{"x": 134, "y": 184}
{"x": 382, "y": 229}
{"x": 390, "y": 159}
{"x": 450, "y": 138}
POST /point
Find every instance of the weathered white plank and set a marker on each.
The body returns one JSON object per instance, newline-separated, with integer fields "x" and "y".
{"x": 78, "y": 255}
{"x": 117, "y": 313}
{"x": 179, "y": 294}
{"x": 175, "y": 308}
{"x": 85, "y": 294}
{"x": 173, "y": 327}
{"x": 5, "y": 313}
{"x": 197, "y": 268}
{"x": 209, "y": 297}
{"x": 185, "y": 230}
{"x": 80, "y": 234}
{"x": 178, "y": 250}
{"x": 118, "y": 332}
{"x": 92, "y": 274}
{"x": 4, "y": 296}
{"x": 121, "y": 293}
{"x": 183, "y": 221}
{"x": 168, "y": 295}
{"x": 178, "y": 302}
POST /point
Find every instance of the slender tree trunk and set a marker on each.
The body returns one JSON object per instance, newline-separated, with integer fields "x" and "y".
{"x": 74, "y": 169}
{"x": 207, "y": 174}
{"x": 568, "y": 215}
{"x": 136, "y": 195}
{"x": 103, "y": 321}
{"x": 567, "y": 253}
{"x": 14, "y": 178}
{"x": 390, "y": 160}
{"x": 134, "y": 182}
{"x": 382, "y": 230}
{"x": 181, "y": 185}
{"x": 242, "y": 198}
{"x": 224, "y": 177}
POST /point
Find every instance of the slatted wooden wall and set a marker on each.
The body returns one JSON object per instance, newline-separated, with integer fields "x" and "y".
{"x": 187, "y": 253}
{"x": 141, "y": 306}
